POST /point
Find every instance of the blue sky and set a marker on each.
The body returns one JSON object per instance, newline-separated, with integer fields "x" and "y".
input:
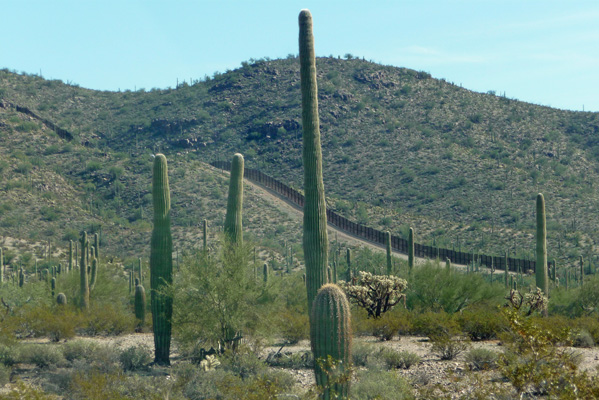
{"x": 545, "y": 52}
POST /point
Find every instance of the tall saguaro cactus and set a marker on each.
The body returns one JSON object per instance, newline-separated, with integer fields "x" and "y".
{"x": 411, "y": 249}
{"x": 541, "y": 266}
{"x": 330, "y": 336}
{"x": 205, "y": 234}
{"x": 1, "y": 266}
{"x": 161, "y": 262}
{"x": 389, "y": 257}
{"x": 315, "y": 240}
{"x": 70, "y": 256}
{"x": 84, "y": 284}
{"x": 233, "y": 219}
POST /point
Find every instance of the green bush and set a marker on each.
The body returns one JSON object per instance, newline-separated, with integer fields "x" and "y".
{"x": 361, "y": 351}
{"x": 434, "y": 324}
{"x": 78, "y": 350}
{"x": 380, "y": 385}
{"x": 434, "y": 288}
{"x": 481, "y": 359}
{"x": 480, "y": 323}
{"x": 293, "y": 326}
{"x": 590, "y": 325}
{"x": 447, "y": 347}
{"x": 135, "y": 358}
{"x": 399, "y": 359}
{"x": 582, "y": 338}
{"x": 9, "y": 355}
{"x": 41, "y": 355}
{"x": 295, "y": 360}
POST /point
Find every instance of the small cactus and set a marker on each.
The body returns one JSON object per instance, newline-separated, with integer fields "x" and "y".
{"x": 61, "y": 299}
{"x": 140, "y": 304}
{"x": 265, "y": 272}
{"x": 53, "y": 285}
{"x": 21, "y": 277}
{"x": 330, "y": 336}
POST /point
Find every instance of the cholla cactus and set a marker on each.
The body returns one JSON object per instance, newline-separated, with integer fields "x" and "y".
{"x": 375, "y": 293}
{"x": 210, "y": 363}
{"x": 529, "y": 302}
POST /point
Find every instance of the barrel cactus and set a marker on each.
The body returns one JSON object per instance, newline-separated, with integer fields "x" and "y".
{"x": 61, "y": 299}
{"x": 161, "y": 262}
{"x": 330, "y": 336}
{"x": 315, "y": 240}
{"x": 233, "y": 219}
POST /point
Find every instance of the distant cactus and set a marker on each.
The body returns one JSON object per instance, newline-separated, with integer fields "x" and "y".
{"x": 61, "y": 299}
{"x": 140, "y": 270}
{"x": 581, "y": 271}
{"x": 1, "y": 266}
{"x": 411, "y": 249}
{"x": 84, "y": 284}
{"x": 541, "y": 265}
{"x": 265, "y": 272}
{"x": 233, "y": 219}
{"x": 315, "y": 240}
{"x": 131, "y": 281}
{"x": 161, "y": 262}
{"x": 140, "y": 304}
{"x": 94, "y": 275}
{"x": 96, "y": 246}
{"x": 70, "y": 255}
{"x": 21, "y": 277}
{"x": 205, "y": 235}
{"x": 330, "y": 336}
{"x": 348, "y": 260}
{"x": 506, "y": 272}
{"x": 389, "y": 254}
{"x": 53, "y": 285}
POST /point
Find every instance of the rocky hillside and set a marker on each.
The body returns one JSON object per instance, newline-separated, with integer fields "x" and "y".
{"x": 400, "y": 148}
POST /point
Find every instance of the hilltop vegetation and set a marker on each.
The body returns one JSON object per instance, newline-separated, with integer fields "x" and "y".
{"x": 400, "y": 148}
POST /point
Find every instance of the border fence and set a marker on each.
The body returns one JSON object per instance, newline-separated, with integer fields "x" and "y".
{"x": 398, "y": 244}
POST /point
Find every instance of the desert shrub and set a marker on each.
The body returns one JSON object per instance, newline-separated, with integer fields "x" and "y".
{"x": 135, "y": 358}
{"x": 380, "y": 385}
{"x": 399, "y": 359}
{"x": 9, "y": 355}
{"x": 243, "y": 363}
{"x": 434, "y": 324}
{"x": 96, "y": 385}
{"x": 55, "y": 322}
{"x": 293, "y": 326}
{"x": 361, "y": 352}
{"x": 436, "y": 289}
{"x": 5, "y": 372}
{"x": 389, "y": 324}
{"x": 43, "y": 356}
{"x": 78, "y": 349}
{"x": 226, "y": 385}
{"x": 481, "y": 359}
{"x": 481, "y": 323}
{"x": 589, "y": 324}
{"x": 447, "y": 347}
{"x": 555, "y": 325}
{"x": 22, "y": 391}
{"x": 100, "y": 358}
{"x": 293, "y": 360}
{"x": 222, "y": 295}
{"x": 107, "y": 319}
{"x": 582, "y": 338}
